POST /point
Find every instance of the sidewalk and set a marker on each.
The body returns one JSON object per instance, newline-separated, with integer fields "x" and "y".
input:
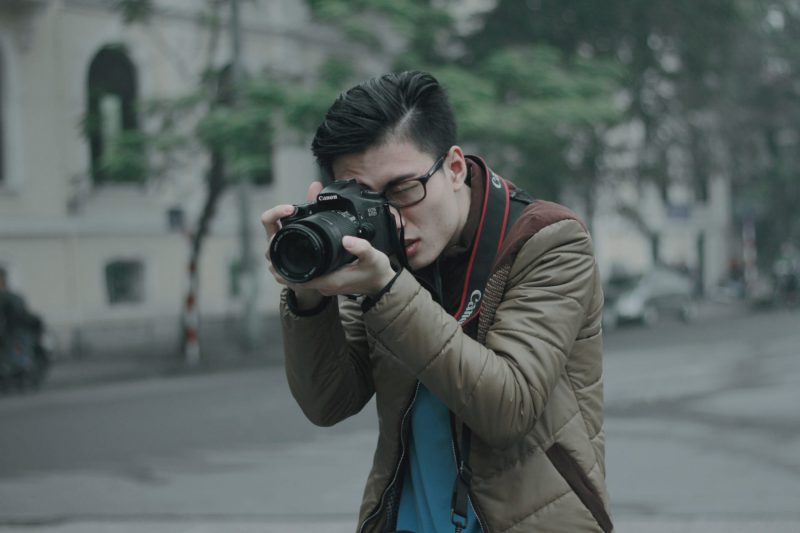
{"x": 76, "y": 372}
{"x": 111, "y": 362}
{"x": 95, "y": 369}
{"x": 715, "y": 309}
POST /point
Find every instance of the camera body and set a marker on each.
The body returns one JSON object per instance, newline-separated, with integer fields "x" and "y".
{"x": 309, "y": 243}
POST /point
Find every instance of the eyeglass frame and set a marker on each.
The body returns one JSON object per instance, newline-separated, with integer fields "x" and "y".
{"x": 423, "y": 180}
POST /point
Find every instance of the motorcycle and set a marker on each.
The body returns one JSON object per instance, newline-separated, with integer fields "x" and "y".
{"x": 25, "y": 358}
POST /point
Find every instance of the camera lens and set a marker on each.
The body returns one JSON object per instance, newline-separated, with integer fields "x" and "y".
{"x": 312, "y": 247}
{"x": 297, "y": 252}
{"x": 303, "y": 253}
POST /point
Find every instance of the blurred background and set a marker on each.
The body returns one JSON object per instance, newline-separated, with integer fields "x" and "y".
{"x": 141, "y": 139}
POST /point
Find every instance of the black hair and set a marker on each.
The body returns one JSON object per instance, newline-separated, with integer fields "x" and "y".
{"x": 408, "y": 105}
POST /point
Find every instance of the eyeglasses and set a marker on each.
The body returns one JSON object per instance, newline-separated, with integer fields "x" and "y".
{"x": 412, "y": 191}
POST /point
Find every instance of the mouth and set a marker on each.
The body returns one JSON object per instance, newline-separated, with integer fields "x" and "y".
{"x": 411, "y": 246}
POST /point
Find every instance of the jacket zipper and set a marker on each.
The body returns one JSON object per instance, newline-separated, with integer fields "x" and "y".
{"x": 453, "y": 434}
{"x": 477, "y": 513}
{"x": 403, "y": 426}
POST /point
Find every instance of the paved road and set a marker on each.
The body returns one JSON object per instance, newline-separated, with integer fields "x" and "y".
{"x": 702, "y": 422}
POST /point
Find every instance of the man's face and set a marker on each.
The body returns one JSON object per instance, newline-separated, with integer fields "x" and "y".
{"x": 430, "y": 225}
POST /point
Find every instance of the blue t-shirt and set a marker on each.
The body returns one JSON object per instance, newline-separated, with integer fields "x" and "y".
{"x": 430, "y": 471}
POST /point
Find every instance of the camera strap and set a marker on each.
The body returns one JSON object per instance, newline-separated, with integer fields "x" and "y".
{"x": 488, "y": 239}
{"x": 497, "y": 215}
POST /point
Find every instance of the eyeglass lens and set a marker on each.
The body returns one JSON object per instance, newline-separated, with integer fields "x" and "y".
{"x": 406, "y": 193}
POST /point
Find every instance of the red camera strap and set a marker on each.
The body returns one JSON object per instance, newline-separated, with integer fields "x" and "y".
{"x": 488, "y": 239}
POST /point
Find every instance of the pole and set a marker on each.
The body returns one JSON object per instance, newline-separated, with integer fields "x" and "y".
{"x": 248, "y": 280}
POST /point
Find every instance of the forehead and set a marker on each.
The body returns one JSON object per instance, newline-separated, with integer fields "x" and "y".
{"x": 383, "y": 164}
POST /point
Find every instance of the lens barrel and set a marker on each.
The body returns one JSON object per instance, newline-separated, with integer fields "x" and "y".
{"x": 311, "y": 247}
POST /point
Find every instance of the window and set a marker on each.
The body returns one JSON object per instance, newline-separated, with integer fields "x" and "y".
{"x": 125, "y": 281}
{"x": 111, "y": 122}
{"x": 176, "y": 218}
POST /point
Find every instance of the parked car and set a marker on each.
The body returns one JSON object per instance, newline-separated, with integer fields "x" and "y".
{"x": 645, "y": 298}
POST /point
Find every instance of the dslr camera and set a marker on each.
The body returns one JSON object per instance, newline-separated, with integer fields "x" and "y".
{"x": 309, "y": 243}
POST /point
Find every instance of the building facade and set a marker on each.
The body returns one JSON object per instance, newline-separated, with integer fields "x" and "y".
{"x": 105, "y": 262}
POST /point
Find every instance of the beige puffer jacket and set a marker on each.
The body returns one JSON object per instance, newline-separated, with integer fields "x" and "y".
{"x": 531, "y": 393}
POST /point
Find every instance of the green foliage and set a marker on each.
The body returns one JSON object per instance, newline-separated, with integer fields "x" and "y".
{"x": 521, "y": 105}
{"x": 516, "y": 104}
{"x": 685, "y": 44}
{"x": 124, "y": 161}
{"x": 418, "y": 22}
{"x": 243, "y": 133}
{"x": 300, "y": 105}
{"x": 760, "y": 117}
{"x": 405, "y": 16}
{"x": 135, "y": 11}
{"x": 538, "y": 80}
{"x": 719, "y": 79}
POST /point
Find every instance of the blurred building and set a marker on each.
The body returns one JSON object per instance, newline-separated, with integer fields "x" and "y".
{"x": 105, "y": 262}
{"x": 688, "y": 223}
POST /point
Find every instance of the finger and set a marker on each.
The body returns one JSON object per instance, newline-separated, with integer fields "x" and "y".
{"x": 276, "y": 275}
{"x": 360, "y": 248}
{"x": 313, "y": 191}
{"x": 271, "y": 217}
{"x": 328, "y": 284}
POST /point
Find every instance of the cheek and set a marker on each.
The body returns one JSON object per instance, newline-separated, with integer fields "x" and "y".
{"x": 435, "y": 223}
{"x": 410, "y": 219}
{"x": 436, "y": 228}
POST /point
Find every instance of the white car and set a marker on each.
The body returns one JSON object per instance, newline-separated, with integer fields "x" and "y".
{"x": 645, "y": 298}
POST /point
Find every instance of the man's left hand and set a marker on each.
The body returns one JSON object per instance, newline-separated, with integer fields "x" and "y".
{"x": 367, "y": 275}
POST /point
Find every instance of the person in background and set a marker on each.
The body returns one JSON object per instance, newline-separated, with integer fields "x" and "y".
{"x": 23, "y": 359}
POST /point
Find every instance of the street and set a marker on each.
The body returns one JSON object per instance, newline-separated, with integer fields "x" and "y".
{"x": 702, "y": 425}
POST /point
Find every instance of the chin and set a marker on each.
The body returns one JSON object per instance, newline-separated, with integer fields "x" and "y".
{"x": 419, "y": 262}
{"x": 416, "y": 265}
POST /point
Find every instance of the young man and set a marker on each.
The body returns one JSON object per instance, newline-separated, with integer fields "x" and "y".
{"x": 488, "y": 386}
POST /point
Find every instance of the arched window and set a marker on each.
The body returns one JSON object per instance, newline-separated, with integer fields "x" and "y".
{"x": 111, "y": 117}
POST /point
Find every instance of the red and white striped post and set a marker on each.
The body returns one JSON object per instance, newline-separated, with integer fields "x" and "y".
{"x": 191, "y": 318}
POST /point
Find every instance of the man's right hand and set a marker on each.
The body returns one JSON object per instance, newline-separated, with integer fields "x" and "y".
{"x": 270, "y": 219}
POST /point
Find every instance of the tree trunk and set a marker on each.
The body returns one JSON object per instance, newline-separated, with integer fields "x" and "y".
{"x": 190, "y": 316}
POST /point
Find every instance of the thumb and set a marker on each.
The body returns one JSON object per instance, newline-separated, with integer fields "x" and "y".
{"x": 360, "y": 248}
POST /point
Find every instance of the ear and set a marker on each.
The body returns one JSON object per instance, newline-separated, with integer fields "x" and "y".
{"x": 456, "y": 164}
